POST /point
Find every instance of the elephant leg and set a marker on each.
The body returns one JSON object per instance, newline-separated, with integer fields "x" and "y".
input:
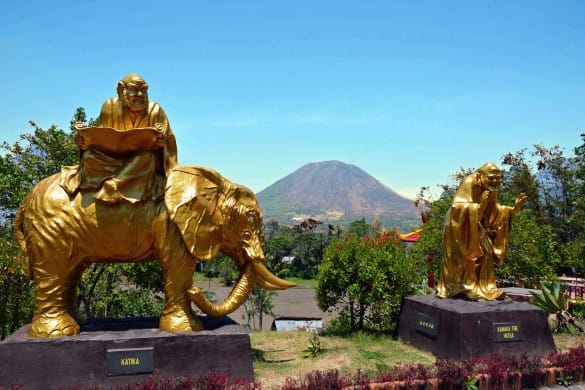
{"x": 178, "y": 269}
{"x": 70, "y": 302}
{"x": 50, "y": 318}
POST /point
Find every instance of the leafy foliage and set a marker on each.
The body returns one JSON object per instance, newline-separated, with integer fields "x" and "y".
{"x": 223, "y": 267}
{"x": 259, "y": 302}
{"x": 430, "y": 243}
{"x": 533, "y": 253}
{"x": 313, "y": 346}
{"x": 553, "y": 301}
{"x": 364, "y": 281}
{"x": 494, "y": 371}
{"x": 106, "y": 292}
{"x": 301, "y": 246}
{"x": 36, "y": 156}
{"x": 16, "y": 298}
{"x": 330, "y": 379}
{"x": 208, "y": 381}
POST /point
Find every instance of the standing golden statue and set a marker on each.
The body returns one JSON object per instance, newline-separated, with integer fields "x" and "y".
{"x": 475, "y": 237}
{"x": 129, "y": 201}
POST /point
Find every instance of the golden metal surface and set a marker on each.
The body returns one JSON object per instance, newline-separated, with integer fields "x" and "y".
{"x": 475, "y": 237}
{"x": 129, "y": 201}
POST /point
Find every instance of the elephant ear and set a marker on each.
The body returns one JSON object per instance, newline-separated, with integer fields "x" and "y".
{"x": 192, "y": 199}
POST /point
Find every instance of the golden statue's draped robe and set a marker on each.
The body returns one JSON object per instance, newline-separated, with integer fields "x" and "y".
{"x": 125, "y": 177}
{"x": 473, "y": 241}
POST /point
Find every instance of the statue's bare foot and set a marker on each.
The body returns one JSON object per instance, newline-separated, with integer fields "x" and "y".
{"x": 180, "y": 320}
{"x": 53, "y": 325}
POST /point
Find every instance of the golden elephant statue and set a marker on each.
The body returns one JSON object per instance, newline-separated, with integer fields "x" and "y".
{"x": 201, "y": 214}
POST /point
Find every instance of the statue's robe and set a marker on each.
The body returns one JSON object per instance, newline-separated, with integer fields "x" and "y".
{"x": 473, "y": 241}
{"x": 132, "y": 177}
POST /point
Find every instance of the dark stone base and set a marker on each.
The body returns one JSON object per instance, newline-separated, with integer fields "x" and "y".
{"x": 461, "y": 329}
{"x": 224, "y": 346}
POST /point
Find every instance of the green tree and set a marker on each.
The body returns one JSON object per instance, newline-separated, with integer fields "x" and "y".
{"x": 532, "y": 253}
{"x": 552, "y": 182}
{"x": 429, "y": 247}
{"x": 35, "y": 156}
{"x": 575, "y": 250}
{"x": 105, "y": 291}
{"x": 16, "y": 296}
{"x": 81, "y": 116}
{"x": 520, "y": 178}
{"x": 307, "y": 252}
{"x": 226, "y": 269}
{"x": 359, "y": 228}
{"x": 279, "y": 244}
{"x": 259, "y": 302}
{"x": 364, "y": 279}
{"x": 556, "y": 175}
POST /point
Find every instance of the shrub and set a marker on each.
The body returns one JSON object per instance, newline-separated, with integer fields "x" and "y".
{"x": 209, "y": 381}
{"x": 553, "y": 301}
{"x": 16, "y": 294}
{"x": 318, "y": 380}
{"x": 498, "y": 371}
{"x": 364, "y": 279}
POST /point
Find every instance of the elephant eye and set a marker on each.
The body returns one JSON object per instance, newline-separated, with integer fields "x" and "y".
{"x": 246, "y": 234}
{"x": 252, "y": 217}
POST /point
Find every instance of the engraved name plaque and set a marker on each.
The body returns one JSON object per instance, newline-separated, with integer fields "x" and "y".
{"x": 505, "y": 332}
{"x": 130, "y": 361}
{"x": 426, "y": 325}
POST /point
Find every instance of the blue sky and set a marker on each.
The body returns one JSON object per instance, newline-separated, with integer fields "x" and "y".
{"x": 407, "y": 90}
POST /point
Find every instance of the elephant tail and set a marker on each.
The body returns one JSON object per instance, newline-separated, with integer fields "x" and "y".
{"x": 18, "y": 230}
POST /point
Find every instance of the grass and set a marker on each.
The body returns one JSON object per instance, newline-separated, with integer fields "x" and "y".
{"x": 303, "y": 283}
{"x": 278, "y": 355}
{"x": 565, "y": 341}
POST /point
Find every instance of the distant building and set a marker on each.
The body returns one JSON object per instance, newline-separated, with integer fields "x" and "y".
{"x": 287, "y": 259}
{"x": 411, "y": 237}
{"x": 408, "y": 240}
{"x": 309, "y": 324}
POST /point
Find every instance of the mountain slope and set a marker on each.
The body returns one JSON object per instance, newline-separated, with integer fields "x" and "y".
{"x": 333, "y": 191}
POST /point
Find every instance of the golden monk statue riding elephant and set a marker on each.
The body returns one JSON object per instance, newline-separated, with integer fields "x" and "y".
{"x": 129, "y": 201}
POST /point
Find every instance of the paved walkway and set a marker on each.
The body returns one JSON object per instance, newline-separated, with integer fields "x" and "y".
{"x": 294, "y": 302}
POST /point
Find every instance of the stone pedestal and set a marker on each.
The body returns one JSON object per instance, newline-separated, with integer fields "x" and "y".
{"x": 461, "y": 329}
{"x": 114, "y": 352}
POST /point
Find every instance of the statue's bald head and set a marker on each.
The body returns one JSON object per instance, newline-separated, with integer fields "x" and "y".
{"x": 490, "y": 176}
{"x": 133, "y": 92}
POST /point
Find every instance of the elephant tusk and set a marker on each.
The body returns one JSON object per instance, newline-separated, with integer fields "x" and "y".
{"x": 267, "y": 280}
{"x": 268, "y": 286}
{"x": 234, "y": 300}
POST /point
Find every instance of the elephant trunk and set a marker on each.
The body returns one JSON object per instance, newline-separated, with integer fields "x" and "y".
{"x": 235, "y": 299}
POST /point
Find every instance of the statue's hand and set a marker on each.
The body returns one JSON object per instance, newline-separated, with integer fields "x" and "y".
{"x": 160, "y": 142}
{"x": 484, "y": 200}
{"x": 161, "y": 139}
{"x": 80, "y": 141}
{"x": 519, "y": 201}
